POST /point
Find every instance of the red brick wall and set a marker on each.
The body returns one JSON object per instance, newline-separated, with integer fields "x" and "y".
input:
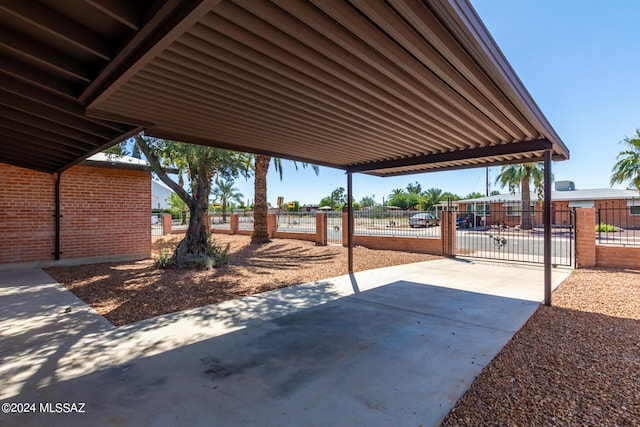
{"x": 408, "y": 244}
{"x": 26, "y": 215}
{"x": 585, "y": 237}
{"x": 618, "y": 256}
{"x": 105, "y": 213}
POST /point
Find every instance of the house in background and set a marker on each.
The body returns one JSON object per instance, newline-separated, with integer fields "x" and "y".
{"x": 620, "y": 207}
{"x": 160, "y": 196}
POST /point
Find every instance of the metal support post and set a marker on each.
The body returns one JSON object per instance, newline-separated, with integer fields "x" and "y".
{"x": 547, "y": 227}
{"x": 350, "y": 220}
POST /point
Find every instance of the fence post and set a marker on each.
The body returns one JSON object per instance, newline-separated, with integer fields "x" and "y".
{"x": 585, "y": 237}
{"x": 448, "y": 233}
{"x": 167, "y": 224}
{"x": 233, "y": 223}
{"x": 321, "y": 229}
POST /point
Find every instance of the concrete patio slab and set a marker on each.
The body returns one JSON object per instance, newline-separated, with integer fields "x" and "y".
{"x": 392, "y": 346}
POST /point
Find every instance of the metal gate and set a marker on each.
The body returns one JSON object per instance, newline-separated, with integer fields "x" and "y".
{"x": 334, "y": 228}
{"x": 502, "y": 235}
{"x": 157, "y": 227}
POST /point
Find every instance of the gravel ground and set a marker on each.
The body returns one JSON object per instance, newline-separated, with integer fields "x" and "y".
{"x": 126, "y": 292}
{"x": 576, "y": 363}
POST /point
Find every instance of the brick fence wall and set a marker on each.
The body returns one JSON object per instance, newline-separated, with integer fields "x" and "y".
{"x": 430, "y": 245}
{"x": 588, "y": 254}
{"x": 105, "y": 215}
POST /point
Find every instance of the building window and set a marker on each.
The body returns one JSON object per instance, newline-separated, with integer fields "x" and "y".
{"x": 516, "y": 209}
{"x": 483, "y": 209}
{"x": 634, "y": 210}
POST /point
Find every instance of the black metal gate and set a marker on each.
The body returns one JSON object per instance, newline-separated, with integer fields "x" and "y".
{"x": 502, "y": 235}
{"x": 334, "y": 228}
{"x": 157, "y": 228}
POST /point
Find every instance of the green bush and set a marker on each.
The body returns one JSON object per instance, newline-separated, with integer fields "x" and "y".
{"x": 608, "y": 228}
{"x": 162, "y": 260}
{"x": 214, "y": 257}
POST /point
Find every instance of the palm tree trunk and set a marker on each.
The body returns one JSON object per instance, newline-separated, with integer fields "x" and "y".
{"x": 260, "y": 231}
{"x": 224, "y": 211}
{"x": 525, "y": 223}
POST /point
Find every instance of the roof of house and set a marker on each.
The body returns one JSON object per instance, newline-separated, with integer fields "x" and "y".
{"x": 104, "y": 160}
{"x": 574, "y": 195}
{"x": 377, "y": 87}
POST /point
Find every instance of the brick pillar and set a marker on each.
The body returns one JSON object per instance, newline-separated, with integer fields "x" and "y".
{"x": 321, "y": 229}
{"x": 448, "y": 233}
{"x": 167, "y": 224}
{"x": 271, "y": 224}
{"x": 585, "y": 237}
{"x": 233, "y": 223}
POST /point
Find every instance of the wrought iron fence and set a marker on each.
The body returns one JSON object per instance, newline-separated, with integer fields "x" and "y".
{"x": 245, "y": 220}
{"x": 396, "y": 223}
{"x": 157, "y": 228}
{"x": 502, "y": 234}
{"x": 296, "y": 222}
{"x": 180, "y": 221}
{"x": 618, "y": 222}
{"x": 220, "y": 221}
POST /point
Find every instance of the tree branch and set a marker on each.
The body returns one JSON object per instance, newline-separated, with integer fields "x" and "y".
{"x": 159, "y": 170}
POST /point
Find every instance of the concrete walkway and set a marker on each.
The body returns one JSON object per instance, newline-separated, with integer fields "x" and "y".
{"x": 395, "y": 346}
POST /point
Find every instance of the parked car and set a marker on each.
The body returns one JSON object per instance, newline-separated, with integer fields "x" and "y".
{"x": 464, "y": 221}
{"x": 469, "y": 221}
{"x": 423, "y": 220}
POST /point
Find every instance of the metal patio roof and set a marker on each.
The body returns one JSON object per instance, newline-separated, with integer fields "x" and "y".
{"x": 384, "y": 88}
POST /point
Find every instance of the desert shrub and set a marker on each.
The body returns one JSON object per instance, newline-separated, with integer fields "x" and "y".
{"x": 214, "y": 256}
{"x": 162, "y": 260}
{"x": 606, "y": 228}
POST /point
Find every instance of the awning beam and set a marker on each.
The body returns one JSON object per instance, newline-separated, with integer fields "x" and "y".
{"x": 475, "y": 153}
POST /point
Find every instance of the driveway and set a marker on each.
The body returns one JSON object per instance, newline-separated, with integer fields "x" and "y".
{"x": 393, "y": 346}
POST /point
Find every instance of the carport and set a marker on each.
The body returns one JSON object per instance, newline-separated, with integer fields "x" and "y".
{"x": 383, "y": 88}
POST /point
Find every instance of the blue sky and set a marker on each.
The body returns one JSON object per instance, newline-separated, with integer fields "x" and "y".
{"x": 578, "y": 59}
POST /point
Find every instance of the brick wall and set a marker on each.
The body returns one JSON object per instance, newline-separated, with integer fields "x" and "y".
{"x": 585, "y": 237}
{"x": 588, "y": 254}
{"x": 408, "y": 244}
{"x": 618, "y": 256}
{"x": 26, "y": 215}
{"x": 105, "y": 214}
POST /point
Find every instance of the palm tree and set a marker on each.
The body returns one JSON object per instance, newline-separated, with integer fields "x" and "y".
{"x": 430, "y": 198}
{"x": 521, "y": 175}
{"x": 260, "y": 232}
{"x": 396, "y": 192}
{"x": 627, "y": 168}
{"x": 226, "y": 192}
{"x": 177, "y": 204}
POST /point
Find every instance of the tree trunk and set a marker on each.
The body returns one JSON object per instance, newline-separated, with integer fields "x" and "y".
{"x": 525, "y": 219}
{"x": 260, "y": 232}
{"x": 193, "y": 249}
{"x": 224, "y": 211}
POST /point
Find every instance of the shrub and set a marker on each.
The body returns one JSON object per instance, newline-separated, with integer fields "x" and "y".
{"x": 217, "y": 254}
{"x": 214, "y": 256}
{"x": 163, "y": 259}
{"x": 608, "y": 228}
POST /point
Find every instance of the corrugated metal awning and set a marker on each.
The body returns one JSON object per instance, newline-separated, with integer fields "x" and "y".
{"x": 377, "y": 87}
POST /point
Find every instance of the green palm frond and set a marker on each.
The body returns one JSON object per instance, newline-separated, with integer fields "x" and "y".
{"x": 627, "y": 167}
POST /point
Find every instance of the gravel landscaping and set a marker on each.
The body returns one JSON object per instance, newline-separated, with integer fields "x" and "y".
{"x": 573, "y": 364}
{"x": 576, "y": 363}
{"x": 126, "y": 292}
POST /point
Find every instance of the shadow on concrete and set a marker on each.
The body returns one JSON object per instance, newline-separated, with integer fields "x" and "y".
{"x": 398, "y": 354}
